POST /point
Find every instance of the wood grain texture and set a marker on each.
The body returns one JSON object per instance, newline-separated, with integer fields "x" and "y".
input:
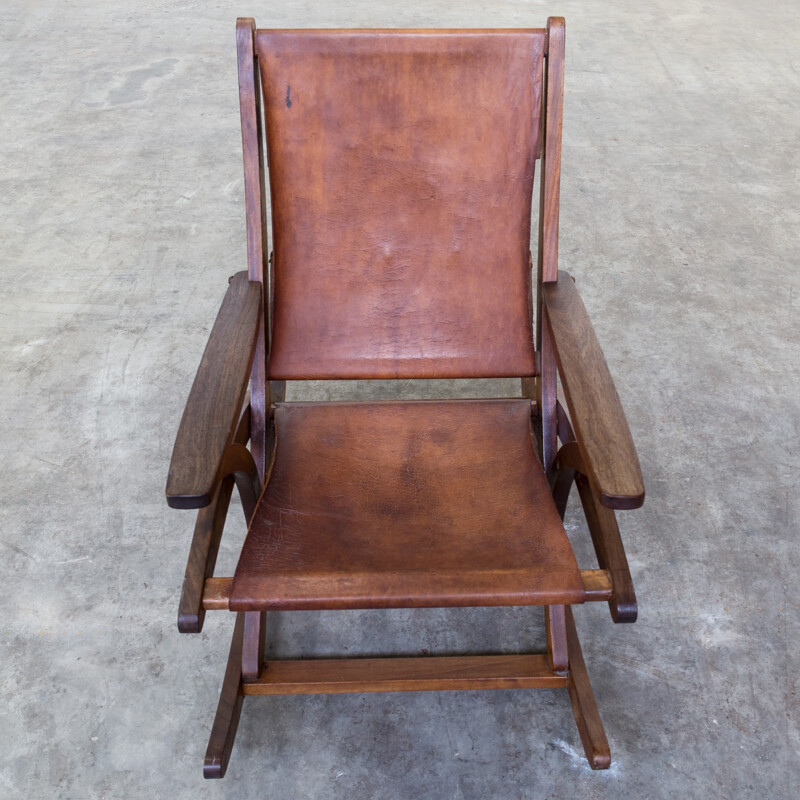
{"x": 556, "y": 633}
{"x": 584, "y": 706}
{"x": 427, "y": 673}
{"x": 547, "y": 262}
{"x": 256, "y": 218}
{"x": 597, "y": 583}
{"x": 551, "y": 154}
{"x": 603, "y": 527}
{"x": 428, "y": 140}
{"x": 601, "y": 429}
{"x": 215, "y": 402}
{"x": 229, "y": 709}
{"x": 205, "y": 543}
{"x": 202, "y": 558}
{"x": 405, "y": 504}
{"x": 217, "y": 594}
{"x": 252, "y": 148}
{"x": 255, "y": 631}
{"x": 610, "y": 552}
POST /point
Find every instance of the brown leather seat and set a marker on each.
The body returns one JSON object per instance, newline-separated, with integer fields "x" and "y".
{"x": 405, "y": 504}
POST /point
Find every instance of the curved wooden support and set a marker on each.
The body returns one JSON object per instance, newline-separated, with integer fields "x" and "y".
{"x": 561, "y": 484}
{"x": 569, "y": 458}
{"x": 239, "y": 463}
{"x": 223, "y": 731}
{"x": 567, "y": 463}
{"x": 563, "y": 425}
{"x": 584, "y": 706}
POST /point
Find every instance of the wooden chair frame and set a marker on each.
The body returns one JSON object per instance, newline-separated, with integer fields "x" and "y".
{"x": 596, "y": 452}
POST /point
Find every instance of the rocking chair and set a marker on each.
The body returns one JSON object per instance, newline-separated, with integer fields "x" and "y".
{"x": 401, "y": 167}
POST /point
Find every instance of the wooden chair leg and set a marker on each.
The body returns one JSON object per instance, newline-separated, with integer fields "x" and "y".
{"x": 584, "y": 707}
{"x": 223, "y": 732}
{"x": 610, "y": 551}
{"x": 203, "y": 558}
{"x": 255, "y": 628}
{"x": 556, "y": 632}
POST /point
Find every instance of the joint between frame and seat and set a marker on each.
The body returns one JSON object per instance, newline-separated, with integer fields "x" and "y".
{"x": 217, "y": 591}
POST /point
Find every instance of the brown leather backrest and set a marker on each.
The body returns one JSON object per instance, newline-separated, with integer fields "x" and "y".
{"x": 401, "y": 170}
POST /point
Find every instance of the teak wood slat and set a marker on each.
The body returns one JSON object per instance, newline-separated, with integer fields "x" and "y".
{"x": 423, "y": 673}
{"x": 600, "y": 426}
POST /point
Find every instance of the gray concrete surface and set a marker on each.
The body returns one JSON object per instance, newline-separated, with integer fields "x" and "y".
{"x": 121, "y": 216}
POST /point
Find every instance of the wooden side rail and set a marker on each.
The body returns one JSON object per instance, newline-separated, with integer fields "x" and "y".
{"x": 416, "y": 674}
{"x": 217, "y": 593}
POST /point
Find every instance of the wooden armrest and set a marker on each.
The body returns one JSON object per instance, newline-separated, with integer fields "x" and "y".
{"x": 215, "y": 402}
{"x": 605, "y": 442}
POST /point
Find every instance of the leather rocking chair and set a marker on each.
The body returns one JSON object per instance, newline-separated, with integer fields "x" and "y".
{"x": 401, "y": 167}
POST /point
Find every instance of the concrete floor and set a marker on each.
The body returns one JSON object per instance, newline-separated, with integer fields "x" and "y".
{"x": 121, "y": 216}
